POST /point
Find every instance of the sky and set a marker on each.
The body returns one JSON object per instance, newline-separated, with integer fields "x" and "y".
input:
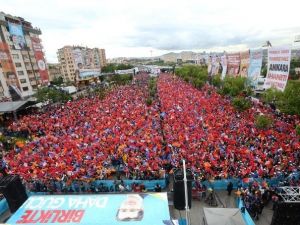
{"x": 143, "y": 28}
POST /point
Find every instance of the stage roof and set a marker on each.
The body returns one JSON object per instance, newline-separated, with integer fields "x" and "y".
{"x": 11, "y": 106}
{"x": 223, "y": 216}
{"x": 104, "y": 209}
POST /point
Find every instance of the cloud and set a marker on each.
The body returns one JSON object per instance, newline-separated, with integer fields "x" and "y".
{"x": 133, "y": 28}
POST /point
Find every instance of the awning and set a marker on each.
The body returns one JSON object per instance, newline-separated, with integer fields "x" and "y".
{"x": 12, "y": 106}
{"x": 223, "y": 216}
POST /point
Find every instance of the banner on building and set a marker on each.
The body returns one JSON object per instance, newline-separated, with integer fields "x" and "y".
{"x": 17, "y": 35}
{"x": 233, "y": 64}
{"x": 8, "y": 68}
{"x": 245, "y": 60}
{"x": 78, "y": 58}
{"x": 86, "y": 73}
{"x": 142, "y": 209}
{"x": 255, "y": 66}
{"x": 39, "y": 56}
{"x": 209, "y": 65}
{"x": 224, "y": 66}
{"x": 215, "y": 63}
{"x": 278, "y": 67}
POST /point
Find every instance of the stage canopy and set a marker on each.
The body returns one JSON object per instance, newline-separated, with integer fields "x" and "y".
{"x": 106, "y": 209}
{"x": 223, "y": 216}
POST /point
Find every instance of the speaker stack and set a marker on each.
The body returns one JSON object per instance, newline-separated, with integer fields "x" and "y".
{"x": 178, "y": 185}
{"x": 14, "y": 191}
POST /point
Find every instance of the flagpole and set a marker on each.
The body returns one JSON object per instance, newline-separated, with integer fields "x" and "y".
{"x": 185, "y": 194}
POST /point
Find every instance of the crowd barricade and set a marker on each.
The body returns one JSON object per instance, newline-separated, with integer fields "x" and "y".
{"x": 246, "y": 216}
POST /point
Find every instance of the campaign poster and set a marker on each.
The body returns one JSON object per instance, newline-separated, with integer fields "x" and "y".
{"x": 255, "y": 66}
{"x": 215, "y": 65}
{"x": 278, "y": 67}
{"x": 233, "y": 64}
{"x": 17, "y": 35}
{"x": 39, "y": 56}
{"x": 78, "y": 58}
{"x": 209, "y": 65}
{"x": 245, "y": 60}
{"x": 224, "y": 66}
{"x": 116, "y": 209}
{"x": 7, "y": 67}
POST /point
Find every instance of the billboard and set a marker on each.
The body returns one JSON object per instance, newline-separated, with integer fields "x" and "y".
{"x": 224, "y": 66}
{"x": 255, "y": 66}
{"x": 17, "y": 35}
{"x": 209, "y": 65}
{"x": 84, "y": 73}
{"x": 8, "y": 70}
{"x": 114, "y": 209}
{"x": 215, "y": 65}
{"x": 39, "y": 56}
{"x": 78, "y": 58}
{"x": 233, "y": 64}
{"x": 278, "y": 67}
{"x": 245, "y": 60}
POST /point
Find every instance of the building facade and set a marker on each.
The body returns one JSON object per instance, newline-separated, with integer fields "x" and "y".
{"x": 54, "y": 71}
{"x": 74, "y": 59}
{"x": 23, "y": 67}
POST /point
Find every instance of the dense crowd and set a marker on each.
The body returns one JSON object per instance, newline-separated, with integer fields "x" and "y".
{"x": 90, "y": 139}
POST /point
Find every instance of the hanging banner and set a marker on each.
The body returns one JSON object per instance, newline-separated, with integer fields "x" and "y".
{"x": 224, "y": 66}
{"x": 209, "y": 65}
{"x": 215, "y": 65}
{"x": 245, "y": 60}
{"x": 278, "y": 67}
{"x": 233, "y": 64}
{"x": 254, "y": 66}
{"x": 8, "y": 68}
{"x": 78, "y": 58}
{"x": 114, "y": 209}
{"x": 39, "y": 56}
{"x": 17, "y": 35}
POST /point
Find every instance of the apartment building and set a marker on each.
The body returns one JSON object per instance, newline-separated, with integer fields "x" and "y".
{"x": 87, "y": 61}
{"x": 54, "y": 71}
{"x": 23, "y": 67}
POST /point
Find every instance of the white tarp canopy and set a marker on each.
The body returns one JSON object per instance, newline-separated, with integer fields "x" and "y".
{"x": 223, "y": 216}
{"x": 11, "y": 106}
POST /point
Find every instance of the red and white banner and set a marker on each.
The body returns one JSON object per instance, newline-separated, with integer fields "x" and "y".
{"x": 39, "y": 56}
{"x": 278, "y": 67}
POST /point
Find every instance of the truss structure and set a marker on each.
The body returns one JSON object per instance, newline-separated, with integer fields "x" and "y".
{"x": 290, "y": 194}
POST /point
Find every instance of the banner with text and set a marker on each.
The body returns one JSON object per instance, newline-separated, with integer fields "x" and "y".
{"x": 233, "y": 64}
{"x": 215, "y": 65}
{"x": 224, "y": 66}
{"x": 117, "y": 209}
{"x": 39, "y": 56}
{"x": 255, "y": 66}
{"x": 245, "y": 59}
{"x": 17, "y": 35}
{"x": 278, "y": 67}
{"x": 8, "y": 68}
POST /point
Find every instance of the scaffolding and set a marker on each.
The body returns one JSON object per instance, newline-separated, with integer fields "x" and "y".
{"x": 290, "y": 194}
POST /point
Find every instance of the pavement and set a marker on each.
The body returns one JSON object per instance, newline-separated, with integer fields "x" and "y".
{"x": 197, "y": 213}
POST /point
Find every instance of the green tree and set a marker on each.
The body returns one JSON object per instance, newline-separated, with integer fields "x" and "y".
{"x": 263, "y": 122}
{"x": 233, "y": 86}
{"x": 51, "y": 94}
{"x": 298, "y": 130}
{"x": 57, "y": 81}
{"x": 241, "y": 104}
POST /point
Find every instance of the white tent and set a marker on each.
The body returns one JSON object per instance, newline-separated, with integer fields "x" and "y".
{"x": 223, "y": 216}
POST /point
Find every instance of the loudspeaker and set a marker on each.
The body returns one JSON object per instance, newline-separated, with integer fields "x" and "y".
{"x": 179, "y": 196}
{"x": 286, "y": 214}
{"x": 14, "y": 191}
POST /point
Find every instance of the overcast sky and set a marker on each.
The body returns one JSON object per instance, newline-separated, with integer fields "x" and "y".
{"x": 135, "y": 27}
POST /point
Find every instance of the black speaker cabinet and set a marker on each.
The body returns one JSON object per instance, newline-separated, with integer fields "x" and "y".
{"x": 14, "y": 191}
{"x": 179, "y": 196}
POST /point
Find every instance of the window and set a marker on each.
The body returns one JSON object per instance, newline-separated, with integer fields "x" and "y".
{"x": 15, "y": 56}
{"x": 20, "y": 73}
{"x": 18, "y": 64}
{"x": 25, "y": 88}
{"x": 23, "y": 81}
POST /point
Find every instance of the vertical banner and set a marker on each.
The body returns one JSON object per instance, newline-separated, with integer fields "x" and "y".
{"x": 224, "y": 66}
{"x": 278, "y": 67}
{"x": 9, "y": 71}
{"x": 77, "y": 55}
{"x": 245, "y": 59}
{"x": 255, "y": 66}
{"x": 233, "y": 64}
{"x": 17, "y": 35}
{"x": 39, "y": 56}
{"x": 215, "y": 65}
{"x": 209, "y": 65}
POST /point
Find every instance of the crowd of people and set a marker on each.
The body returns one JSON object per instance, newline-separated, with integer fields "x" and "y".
{"x": 91, "y": 139}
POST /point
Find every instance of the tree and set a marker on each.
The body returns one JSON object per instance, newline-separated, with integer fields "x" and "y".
{"x": 298, "y": 130}
{"x": 51, "y": 94}
{"x": 233, "y": 86}
{"x": 57, "y": 81}
{"x": 263, "y": 122}
{"x": 241, "y": 104}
